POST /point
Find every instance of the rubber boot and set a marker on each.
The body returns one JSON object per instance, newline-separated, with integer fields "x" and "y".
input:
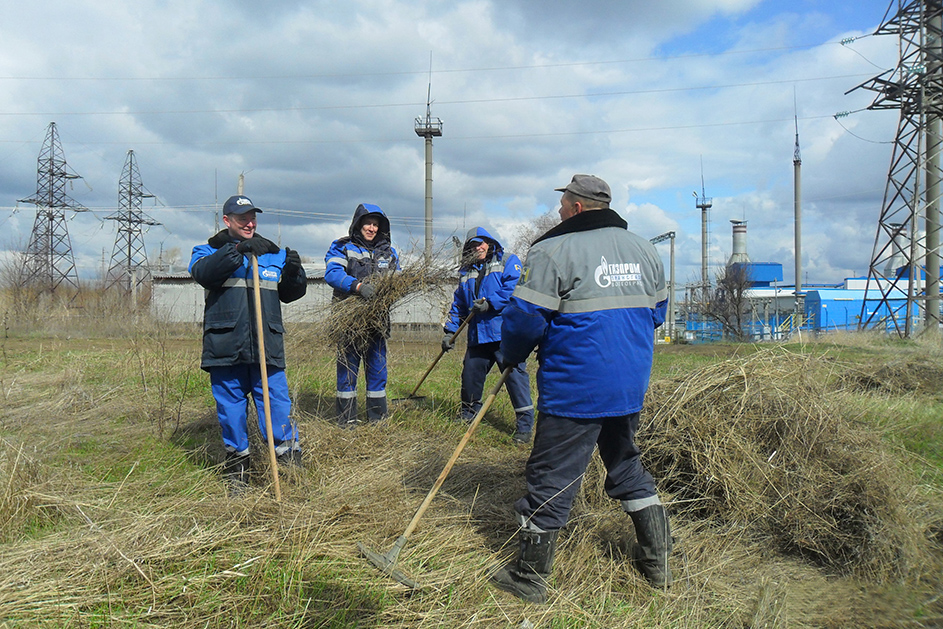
{"x": 346, "y": 412}
{"x": 236, "y": 473}
{"x": 651, "y": 553}
{"x": 526, "y": 577}
{"x": 468, "y": 412}
{"x": 377, "y": 409}
{"x": 524, "y": 424}
{"x": 522, "y": 438}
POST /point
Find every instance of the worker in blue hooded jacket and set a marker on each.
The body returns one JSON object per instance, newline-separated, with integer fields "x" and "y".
{"x": 486, "y": 280}
{"x": 350, "y": 263}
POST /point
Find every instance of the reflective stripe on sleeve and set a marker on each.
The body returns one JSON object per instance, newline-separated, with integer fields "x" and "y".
{"x": 538, "y": 299}
{"x": 244, "y": 283}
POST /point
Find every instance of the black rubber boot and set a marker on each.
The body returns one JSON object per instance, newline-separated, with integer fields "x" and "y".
{"x": 236, "y": 473}
{"x": 377, "y": 409}
{"x": 526, "y": 577}
{"x": 346, "y": 412}
{"x": 289, "y": 458}
{"x": 469, "y": 411}
{"x": 651, "y": 553}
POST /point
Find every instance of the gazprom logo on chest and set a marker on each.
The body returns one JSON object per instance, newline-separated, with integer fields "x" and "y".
{"x": 618, "y": 274}
{"x": 383, "y": 264}
{"x": 269, "y": 274}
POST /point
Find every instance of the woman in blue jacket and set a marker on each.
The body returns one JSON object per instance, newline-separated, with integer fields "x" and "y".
{"x": 486, "y": 280}
{"x": 349, "y": 264}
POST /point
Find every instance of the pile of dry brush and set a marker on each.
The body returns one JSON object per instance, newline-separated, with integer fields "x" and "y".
{"x": 770, "y": 445}
{"x": 356, "y": 322}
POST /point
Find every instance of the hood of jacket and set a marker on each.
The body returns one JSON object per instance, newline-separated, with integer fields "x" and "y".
{"x": 368, "y": 209}
{"x": 495, "y": 249}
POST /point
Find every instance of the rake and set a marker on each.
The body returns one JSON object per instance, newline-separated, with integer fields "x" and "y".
{"x": 387, "y": 562}
{"x": 412, "y": 395}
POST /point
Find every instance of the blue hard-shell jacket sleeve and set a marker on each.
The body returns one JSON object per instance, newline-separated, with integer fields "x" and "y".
{"x": 523, "y": 325}
{"x": 512, "y": 272}
{"x": 210, "y": 267}
{"x": 335, "y": 272}
{"x": 458, "y": 311}
{"x": 659, "y": 313}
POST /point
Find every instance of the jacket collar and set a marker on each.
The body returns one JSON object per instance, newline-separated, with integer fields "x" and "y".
{"x": 586, "y": 221}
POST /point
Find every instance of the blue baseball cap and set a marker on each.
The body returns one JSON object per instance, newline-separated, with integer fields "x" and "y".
{"x": 239, "y": 204}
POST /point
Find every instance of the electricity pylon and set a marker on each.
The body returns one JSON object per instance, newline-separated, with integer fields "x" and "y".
{"x": 49, "y": 262}
{"x": 895, "y": 293}
{"x": 129, "y": 269}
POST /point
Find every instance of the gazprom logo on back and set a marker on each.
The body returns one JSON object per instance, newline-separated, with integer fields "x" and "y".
{"x": 618, "y": 274}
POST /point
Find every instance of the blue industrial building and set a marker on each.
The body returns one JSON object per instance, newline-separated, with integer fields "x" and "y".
{"x": 773, "y": 306}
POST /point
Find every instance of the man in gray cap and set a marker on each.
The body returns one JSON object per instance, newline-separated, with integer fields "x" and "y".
{"x": 590, "y": 297}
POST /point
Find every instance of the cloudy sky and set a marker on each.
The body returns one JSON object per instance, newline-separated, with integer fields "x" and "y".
{"x": 315, "y": 103}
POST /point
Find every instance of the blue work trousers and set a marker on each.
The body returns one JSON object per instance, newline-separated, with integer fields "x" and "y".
{"x": 232, "y": 386}
{"x": 374, "y": 364}
{"x": 562, "y": 451}
{"x": 479, "y": 359}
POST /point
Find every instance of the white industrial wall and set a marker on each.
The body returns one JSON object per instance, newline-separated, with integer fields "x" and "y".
{"x": 180, "y": 300}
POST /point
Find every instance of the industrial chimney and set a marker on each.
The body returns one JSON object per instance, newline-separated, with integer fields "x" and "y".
{"x": 900, "y": 247}
{"x": 739, "y": 254}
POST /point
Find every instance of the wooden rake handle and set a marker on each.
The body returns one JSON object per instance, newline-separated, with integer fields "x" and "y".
{"x": 458, "y": 450}
{"x": 264, "y": 369}
{"x": 442, "y": 353}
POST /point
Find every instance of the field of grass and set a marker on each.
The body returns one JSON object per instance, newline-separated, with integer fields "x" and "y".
{"x": 113, "y": 513}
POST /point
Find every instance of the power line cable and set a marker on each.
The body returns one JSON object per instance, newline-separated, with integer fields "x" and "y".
{"x": 470, "y": 101}
{"x": 425, "y": 72}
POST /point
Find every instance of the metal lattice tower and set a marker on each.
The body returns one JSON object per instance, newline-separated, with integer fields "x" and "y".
{"x": 912, "y": 191}
{"x": 49, "y": 261}
{"x": 129, "y": 269}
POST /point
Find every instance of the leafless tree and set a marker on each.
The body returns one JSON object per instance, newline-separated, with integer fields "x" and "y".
{"x": 728, "y": 302}
{"x": 529, "y": 232}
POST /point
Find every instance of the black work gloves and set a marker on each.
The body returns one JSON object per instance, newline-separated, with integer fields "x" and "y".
{"x": 447, "y": 342}
{"x": 367, "y": 291}
{"x": 257, "y": 245}
{"x": 480, "y": 305}
{"x": 292, "y": 260}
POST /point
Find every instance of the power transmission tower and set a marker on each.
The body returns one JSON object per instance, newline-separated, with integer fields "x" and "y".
{"x": 49, "y": 261}
{"x": 129, "y": 269}
{"x": 895, "y": 292}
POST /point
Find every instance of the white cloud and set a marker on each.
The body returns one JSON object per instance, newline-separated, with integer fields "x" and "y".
{"x": 315, "y": 103}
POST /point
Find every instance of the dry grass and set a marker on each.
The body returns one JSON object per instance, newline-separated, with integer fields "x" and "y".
{"x": 105, "y": 523}
{"x": 763, "y": 444}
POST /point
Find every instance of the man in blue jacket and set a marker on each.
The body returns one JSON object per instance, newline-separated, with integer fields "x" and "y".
{"x": 486, "y": 280}
{"x": 590, "y": 297}
{"x": 230, "y": 337}
{"x": 365, "y": 252}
